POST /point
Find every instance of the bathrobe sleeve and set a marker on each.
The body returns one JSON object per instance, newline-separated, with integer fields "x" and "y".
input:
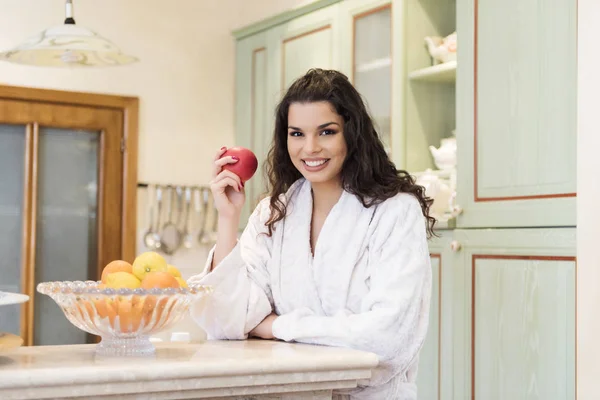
{"x": 241, "y": 296}
{"x": 394, "y": 315}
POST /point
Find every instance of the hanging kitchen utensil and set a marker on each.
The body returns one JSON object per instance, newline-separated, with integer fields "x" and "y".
{"x": 155, "y": 231}
{"x": 205, "y": 192}
{"x": 215, "y": 225}
{"x": 188, "y": 238}
{"x": 149, "y": 235}
{"x": 209, "y": 236}
{"x": 171, "y": 235}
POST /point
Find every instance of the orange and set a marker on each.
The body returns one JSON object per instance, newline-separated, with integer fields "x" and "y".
{"x": 107, "y": 308}
{"x": 116, "y": 266}
{"x": 89, "y": 309}
{"x": 130, "y": 313}
{"x": 155, "y": 308}
{"x": 160, "y": 280}
{"x": 173, "y": 271}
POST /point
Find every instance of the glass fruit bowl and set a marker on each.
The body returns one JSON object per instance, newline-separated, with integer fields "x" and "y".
{"x": 123, "y": 318}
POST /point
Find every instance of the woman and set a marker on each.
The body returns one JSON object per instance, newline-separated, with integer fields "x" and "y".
{"x": 337, "y": 254}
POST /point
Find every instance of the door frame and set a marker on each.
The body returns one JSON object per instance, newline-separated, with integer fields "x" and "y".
{"x": 129, "y": 106}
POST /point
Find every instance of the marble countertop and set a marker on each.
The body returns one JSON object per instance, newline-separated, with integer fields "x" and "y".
{"x": 212, "y": 368}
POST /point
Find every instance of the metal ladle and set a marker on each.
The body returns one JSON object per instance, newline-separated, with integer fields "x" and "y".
{"x": 205, "y": 199}
{"x": 209, "y": 235}
{"x": 149, "y": 235}
{"x": 188, "y": 238}
{"x": 157, "y": 245}
{"x": 171, "y": 235}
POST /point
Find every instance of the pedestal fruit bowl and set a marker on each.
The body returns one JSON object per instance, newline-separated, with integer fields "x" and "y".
{"x": 128, "y": 305}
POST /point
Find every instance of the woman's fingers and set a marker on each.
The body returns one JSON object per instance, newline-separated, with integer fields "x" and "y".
{"x": 221, "y": 184}
{"x": 226, "y": 160}
{"x": 225, "y": 173}
{"x": 221, "y": 151}
{"x": 220, "y": 161}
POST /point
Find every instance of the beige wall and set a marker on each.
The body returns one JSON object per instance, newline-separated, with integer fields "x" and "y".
{"x": 588, "y": 199}
{"x": 185, "y": 79}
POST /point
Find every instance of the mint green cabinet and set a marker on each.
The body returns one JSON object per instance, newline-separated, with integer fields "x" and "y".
{"x": 502, "y": 321}
{"x": 514, "y": 314}
{"x": 516, "y": 113}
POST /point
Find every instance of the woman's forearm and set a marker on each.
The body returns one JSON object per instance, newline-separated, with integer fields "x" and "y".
{"x": 226, "y": 238}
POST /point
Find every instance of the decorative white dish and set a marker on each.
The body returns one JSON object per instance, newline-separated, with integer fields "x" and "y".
{"x": 7, "y": 298}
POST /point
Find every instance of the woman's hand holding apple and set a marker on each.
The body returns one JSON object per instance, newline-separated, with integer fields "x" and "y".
{"x": 227, "y": 188}
{"x": 246, "y": 165}
{"x": 228, "y": 192}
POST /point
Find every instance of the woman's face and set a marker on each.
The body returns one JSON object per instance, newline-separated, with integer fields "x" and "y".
{"x": 316, "y": 141}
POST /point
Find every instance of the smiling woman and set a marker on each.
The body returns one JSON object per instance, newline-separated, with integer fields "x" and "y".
{"x": 338, "y": 254}
{"x": 317, "y": 149}
{"x": 326, "y": 99}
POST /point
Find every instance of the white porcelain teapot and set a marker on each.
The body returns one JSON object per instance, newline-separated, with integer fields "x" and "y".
{"x": 445, "y": 156}
{"x": 442, "y": 49}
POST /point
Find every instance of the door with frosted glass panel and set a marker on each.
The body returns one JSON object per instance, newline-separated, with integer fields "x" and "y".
{"x": 60, "y": 208}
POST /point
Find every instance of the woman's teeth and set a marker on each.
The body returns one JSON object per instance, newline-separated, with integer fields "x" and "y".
{"x": 315, "y": 163}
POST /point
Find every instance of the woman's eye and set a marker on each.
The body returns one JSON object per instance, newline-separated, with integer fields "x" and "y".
{"x": 295, "y": 134}
{"x": 328, "y": 132}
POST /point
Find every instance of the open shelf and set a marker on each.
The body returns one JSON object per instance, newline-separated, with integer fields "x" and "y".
{"x": 374, "y": 65}
{"x": 445, "y": 72}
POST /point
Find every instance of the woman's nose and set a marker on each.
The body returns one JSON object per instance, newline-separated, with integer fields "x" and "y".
{"x": 312, "y": 144}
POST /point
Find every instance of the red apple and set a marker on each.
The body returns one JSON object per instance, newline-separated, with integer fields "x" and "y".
{"x": 246, "y": 165}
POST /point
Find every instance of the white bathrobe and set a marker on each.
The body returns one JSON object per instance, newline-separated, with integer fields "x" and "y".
{"x": 367, "y": 287}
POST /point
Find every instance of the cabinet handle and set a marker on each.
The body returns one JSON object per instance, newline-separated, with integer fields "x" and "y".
{"x": 455, "y": 246}
{"x": 457, "y": 210}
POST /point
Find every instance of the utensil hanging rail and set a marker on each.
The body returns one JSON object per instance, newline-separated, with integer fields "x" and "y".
{"x": 188, "y": 217}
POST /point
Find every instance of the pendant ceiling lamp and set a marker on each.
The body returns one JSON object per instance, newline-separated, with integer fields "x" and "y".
{"x": 67, "y": 45}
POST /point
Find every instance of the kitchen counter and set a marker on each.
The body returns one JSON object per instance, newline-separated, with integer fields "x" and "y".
{"x": 250, "y": 369}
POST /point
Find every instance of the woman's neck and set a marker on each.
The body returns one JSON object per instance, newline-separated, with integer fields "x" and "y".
{"x": 326, "y": 195}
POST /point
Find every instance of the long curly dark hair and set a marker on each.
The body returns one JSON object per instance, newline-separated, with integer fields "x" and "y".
{"x": 367, "y": 172}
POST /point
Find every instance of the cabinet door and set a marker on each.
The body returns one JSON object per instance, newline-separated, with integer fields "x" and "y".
{"x": 254, "y": 110}
{"x": 516, "y": 113}
{"x": 368, "y": 60}
{"x": 69, "y": 163}
{"x": 309, "y": 41}
{"x": 434, "y": 378}
{"x": 514, "y": 315}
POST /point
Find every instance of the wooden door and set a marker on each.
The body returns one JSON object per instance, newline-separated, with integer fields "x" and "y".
{"x": 62, "y": 186}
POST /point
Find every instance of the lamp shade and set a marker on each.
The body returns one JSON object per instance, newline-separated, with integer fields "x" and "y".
{"x": 67, "y": 45}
